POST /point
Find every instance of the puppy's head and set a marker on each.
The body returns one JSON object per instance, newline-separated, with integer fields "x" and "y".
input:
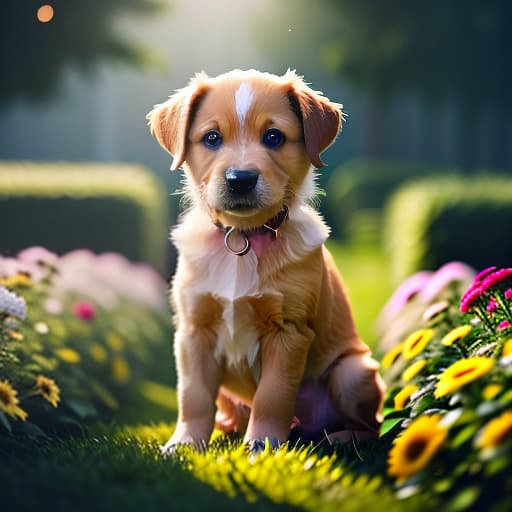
{"x": 246, "y": 140}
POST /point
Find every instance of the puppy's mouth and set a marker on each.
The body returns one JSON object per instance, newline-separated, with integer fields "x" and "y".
{"x": 242, "y": 208}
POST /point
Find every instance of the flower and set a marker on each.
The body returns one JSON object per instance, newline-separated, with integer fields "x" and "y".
{"x": 49, "y": 389}
{"x": 416, "y": 446}
{"x": 495, "y": 277}
{"x": 9, "y": 401}
{"x": 68, "y": 355}
{"x": 21, "y": 279}
{"x": 404, "y": 394}
{"x": 492, "y": 305}
{"x": 114, "y": 341}
{"x": 120, "y": 369}
{"x": 462, "y": 372}
{"x": 452, "y": 272}
{"x": 11, "y": 304}
{"x": 484, "y": 273}
{"x": 84, "y": 311}
{"x": 41, "y": 328}
{"x": 413, "y": 370}
{"x": 98, "y": 353}
{"x": 15, "y": 335}
{"x": 469, "y": 298}
{"x": 491, "y": 391}
{"x": 507, "y": 348}
{"x": 53, "y": 306}
{"x": 503, "y": 325}
{"x": 456, "y": 335}
{"x": 391, "y": 356}
{"x": 435, "y": 309}
{"x": 403, "y": 295}
{"x": 496, "y": 432}
{"x": 508, "y": 293}
{"x": 416, "y": 343}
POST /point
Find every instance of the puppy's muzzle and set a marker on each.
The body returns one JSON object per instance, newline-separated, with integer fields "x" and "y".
{"x": 240, "y": 183}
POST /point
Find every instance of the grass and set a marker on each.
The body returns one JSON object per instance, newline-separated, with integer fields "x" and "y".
{"x": 118, "y": 466}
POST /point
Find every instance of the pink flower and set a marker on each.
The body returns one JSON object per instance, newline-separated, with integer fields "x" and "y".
{"x": 508, "y": 294}
{"x": 469, "y": 298}
{"x": 504, "y": 325}
{"x": 493, "y": 304}
{"x": 483, "y": 273}
{"x": 495, "y": 278}
{"x": 84, "y": 310}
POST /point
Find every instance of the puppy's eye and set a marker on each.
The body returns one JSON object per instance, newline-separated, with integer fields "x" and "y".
{"x": 273, "y": 138}
{"x": 212, "y": 139}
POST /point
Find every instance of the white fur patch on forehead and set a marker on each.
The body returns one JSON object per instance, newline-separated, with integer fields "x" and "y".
{"x": 243, "y": 101}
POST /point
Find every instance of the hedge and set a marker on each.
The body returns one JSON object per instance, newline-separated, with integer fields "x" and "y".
{"x": 64, "y": 206}
{"x": 436, "y": 220}
{"x": 358, "y": 191}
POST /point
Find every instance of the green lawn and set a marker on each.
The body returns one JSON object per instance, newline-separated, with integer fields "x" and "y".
{"x": 118, "y": 467}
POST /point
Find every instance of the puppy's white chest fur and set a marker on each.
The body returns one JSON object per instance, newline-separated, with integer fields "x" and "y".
{"x": 231, "y": 278}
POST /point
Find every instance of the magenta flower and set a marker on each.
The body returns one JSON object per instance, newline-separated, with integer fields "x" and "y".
{"x": 495, "y": 277}
{"x": 84, "y": 310}
{"x": 493, "y": 304}
{"x": 504, "y": 325}
{"x": 483, "y": 273}
{"x": 469, "y": 298}
{"x": 508, "y": 294}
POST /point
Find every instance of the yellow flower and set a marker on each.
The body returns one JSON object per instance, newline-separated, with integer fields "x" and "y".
{"x": 404, "y": 394}
{"x": 490, "y": 391}
{"x": 413, "y": 370}
{"x": 496, "y": 432}
{"x": 68, "y": 355}
{"x": 461, "y": 373}
{"x": 416, "y": 343}
{"x": 20, "y": 280}
{"x": 49, "y": 389}
{"x": 416, "y": 446}
{"x": 98, "y": 353}
{"x": 15, "y": 335}
{"x": 115, "y": 341}
{"x": 9, "y": 401}
{"x": 507, "y": 348}
{"x": 391, "y": 356}
{"x": 120, "y": 369}
{"x": 456, "y": 335}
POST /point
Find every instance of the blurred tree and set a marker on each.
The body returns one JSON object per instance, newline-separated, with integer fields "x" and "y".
{"x": 38, "y": 39}
{"x": 457, "y": 49}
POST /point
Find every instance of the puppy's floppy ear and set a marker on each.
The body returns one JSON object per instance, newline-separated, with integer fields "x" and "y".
{"x": 321, "y": 118}
{"x": 169, "y": 122}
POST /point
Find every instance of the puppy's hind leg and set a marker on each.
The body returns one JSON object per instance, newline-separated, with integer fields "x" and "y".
{"x": 356, "y": 390}
{"x": 232, "y": 415}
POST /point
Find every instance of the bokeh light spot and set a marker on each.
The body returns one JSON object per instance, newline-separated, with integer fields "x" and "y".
{"x": 45, "y": 13}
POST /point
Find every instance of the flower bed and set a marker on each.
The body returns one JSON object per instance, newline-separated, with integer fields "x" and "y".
{"x": 449, "y": 405}
{"x": 77, "y": 332}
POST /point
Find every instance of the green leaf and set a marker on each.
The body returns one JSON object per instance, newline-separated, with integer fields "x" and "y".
{"x": 389, "y": 424}
{"x": 81, "y": 408}
{"x": 4, "y": 421}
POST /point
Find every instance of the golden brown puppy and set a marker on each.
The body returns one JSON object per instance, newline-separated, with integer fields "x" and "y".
{"x": 265, "y": 340}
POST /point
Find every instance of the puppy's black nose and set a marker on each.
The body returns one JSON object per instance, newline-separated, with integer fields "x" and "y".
{"x": 241, "y": 182}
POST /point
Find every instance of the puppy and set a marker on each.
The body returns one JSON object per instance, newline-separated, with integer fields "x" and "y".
{"x": 265, "y": 341}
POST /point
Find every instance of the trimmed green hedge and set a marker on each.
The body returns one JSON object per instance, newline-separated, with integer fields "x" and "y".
{"x": 103, "y": 207}
{"x": 432, "y": 221}
{"x": 358, "y": 191}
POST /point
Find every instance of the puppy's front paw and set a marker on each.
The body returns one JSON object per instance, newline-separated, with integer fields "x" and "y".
{"x": 258, "y": 445}
{"x": 170, "y": 448}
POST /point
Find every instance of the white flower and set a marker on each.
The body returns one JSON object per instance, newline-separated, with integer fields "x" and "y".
{"x": 11, "y": 304}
